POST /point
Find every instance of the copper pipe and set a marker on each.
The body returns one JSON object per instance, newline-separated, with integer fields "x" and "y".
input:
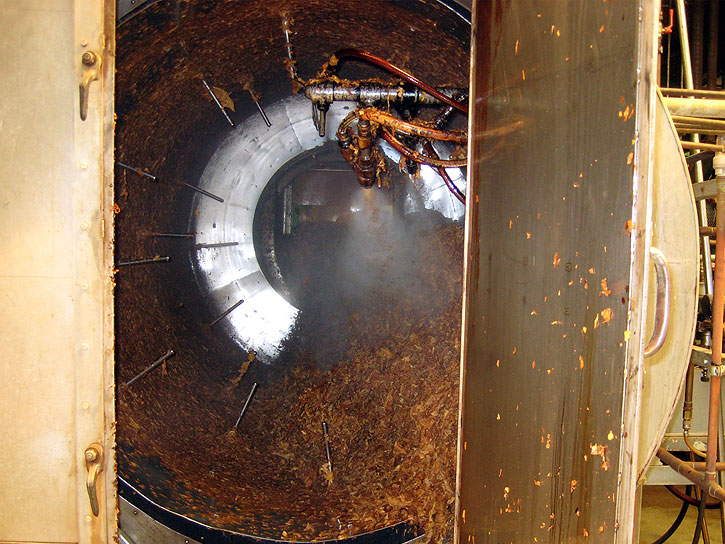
{"x": 718, "y": 308}
{"x": 691, "y": 474}
{"x": 407, "y": 76}
{"x": 687, "y": 410}
{"x": 691, "y": 446}
{"x": 387, "y": 120}
{"x": 700, "y": 465}
{"x": 418, "y": 157}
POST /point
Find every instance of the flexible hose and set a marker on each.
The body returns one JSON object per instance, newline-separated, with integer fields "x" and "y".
{"x": 418, "y": 157}
{"x": 692, "y": 447}
{"x": 678, "y": 520}
{"x": 398, "y": 125}
{"x": 430, "y": 150}
{"x": 689, "y": 500}
{"x": 700, "y": 518}
{"x": 407, "y": 76}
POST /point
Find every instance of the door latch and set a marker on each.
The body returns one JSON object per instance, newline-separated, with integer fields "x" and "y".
{"x": 94, "y": 465}
{"x": 91, "y": 70}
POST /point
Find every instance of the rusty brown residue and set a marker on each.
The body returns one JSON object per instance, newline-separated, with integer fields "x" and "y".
{"x": 601, "y": 451}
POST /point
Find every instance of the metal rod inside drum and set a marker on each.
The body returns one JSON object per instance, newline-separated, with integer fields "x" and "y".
{"x": 145, "y": 261}
{"x": 205, "y": 193}
{"x": 327, "y": 445}
{"x": 246, "y": 404}
{"x": 226, "y": 313}
{"x": 136, "y": 170}
{"x": 215, "y": 245}
{"x": 168, "y": 355}
{"x": 261, "y": 110}
{"x": 173, "y": 234}
{"x": 216, "y": 100}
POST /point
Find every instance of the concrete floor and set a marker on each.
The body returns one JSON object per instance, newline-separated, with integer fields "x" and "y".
{"x": 659, "y": 510}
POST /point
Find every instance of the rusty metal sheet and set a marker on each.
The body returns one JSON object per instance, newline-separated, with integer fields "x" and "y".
{"x": 548, "y": 270}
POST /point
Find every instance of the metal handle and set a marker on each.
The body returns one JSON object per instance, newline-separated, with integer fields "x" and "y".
{"x": 663, "y": 302}
{"x": 94, "y": 465}
{"x": 91, "y": 69}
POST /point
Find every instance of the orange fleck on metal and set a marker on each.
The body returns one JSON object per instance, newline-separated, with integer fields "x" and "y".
{"x": 581, "y": 362}
{"x": 605, "y": 289}
{"x": 557, "y": 260}
{"x": 601, "y": 451}
{"x": 606, "y": 314}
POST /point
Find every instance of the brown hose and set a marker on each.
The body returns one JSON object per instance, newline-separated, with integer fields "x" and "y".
{"x": 430, "y": 150}
{"x": 407, "y": 76}
{"x": 393, "y": 123}
{"x": 689, "y": 500}
{"x": 419, "y": 157}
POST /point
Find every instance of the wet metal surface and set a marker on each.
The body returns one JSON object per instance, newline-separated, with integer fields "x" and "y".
{"x": 548, "y": 271}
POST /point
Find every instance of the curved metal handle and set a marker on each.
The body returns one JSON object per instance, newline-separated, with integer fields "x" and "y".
{"x": 91, "y": 70}
{"x": 662, "y": 304}
{"x": 94, "y": 465}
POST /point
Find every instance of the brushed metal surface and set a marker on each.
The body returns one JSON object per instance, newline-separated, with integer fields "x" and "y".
{"x": 238, "y": 172}
{"x": 56, "y": 376}
{"x": 548, "y": 271}
{"x": 675, "y": 232}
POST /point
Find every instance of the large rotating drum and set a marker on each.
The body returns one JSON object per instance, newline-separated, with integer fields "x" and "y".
{"x": 275, "y": 278}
